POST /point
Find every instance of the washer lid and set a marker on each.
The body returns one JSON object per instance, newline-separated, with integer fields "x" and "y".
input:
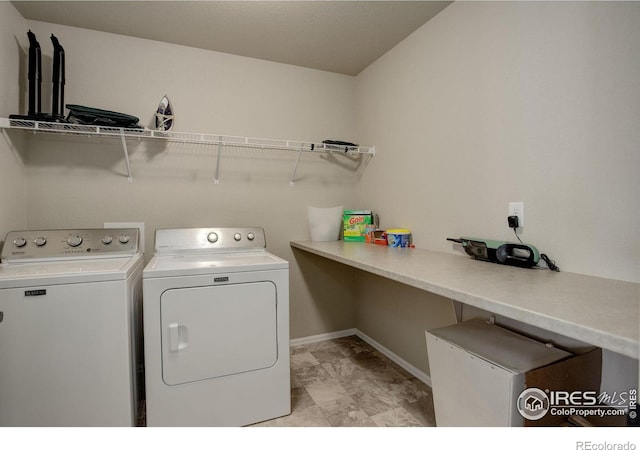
{"x": 165, "y": 266}
{"x": 66, "y": 272}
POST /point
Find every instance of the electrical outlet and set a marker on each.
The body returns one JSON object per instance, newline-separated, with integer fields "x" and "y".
{"x": 517, "y": 209}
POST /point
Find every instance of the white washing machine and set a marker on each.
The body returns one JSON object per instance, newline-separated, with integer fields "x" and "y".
{"x": 69, "y": 321}
{"x": 216, "y": 323}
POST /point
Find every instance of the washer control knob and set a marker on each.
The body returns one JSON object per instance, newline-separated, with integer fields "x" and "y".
{"x": 212, "y": 237}
{"x": 237, "y": 236}
{"x": 106, "y": 239}
{"x": 40, "y": 241}
{"x": 20, "y": 242}
{"x": 124, "y": 238}
{"x": 74, "y": 241}
{"x": 251, "y": 236}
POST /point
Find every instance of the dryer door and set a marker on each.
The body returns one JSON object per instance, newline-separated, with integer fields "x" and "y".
{"x": 214, "y": 331}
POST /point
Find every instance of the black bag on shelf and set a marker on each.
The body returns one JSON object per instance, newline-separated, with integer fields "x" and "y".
{"x": 85, "y": 115}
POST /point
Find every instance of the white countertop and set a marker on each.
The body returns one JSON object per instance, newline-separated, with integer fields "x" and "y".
{"x": 598, "y": 311}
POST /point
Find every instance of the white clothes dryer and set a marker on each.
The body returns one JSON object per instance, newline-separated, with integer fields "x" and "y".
{"x": 70, "y": 325}
{"x": 216, "y": 321}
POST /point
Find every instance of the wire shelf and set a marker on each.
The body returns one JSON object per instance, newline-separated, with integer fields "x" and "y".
{"x": 178, "y": 136}
{"x": 220, "y": 141}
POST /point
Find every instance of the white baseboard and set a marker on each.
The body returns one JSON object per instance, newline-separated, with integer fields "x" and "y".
{"x": 323, "y": 337}
{"x": 413, "y": 370}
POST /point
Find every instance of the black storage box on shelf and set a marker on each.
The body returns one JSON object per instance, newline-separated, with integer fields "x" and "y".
{"x": 85, "y": 115}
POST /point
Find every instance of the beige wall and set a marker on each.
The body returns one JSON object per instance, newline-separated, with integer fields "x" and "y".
{"x": 80, "y": 181}
{"x": 512, "y": 101}
{"x": 397, "y": 315}
{"x": 13, "y": 47}
{"x": 495, "y": 102}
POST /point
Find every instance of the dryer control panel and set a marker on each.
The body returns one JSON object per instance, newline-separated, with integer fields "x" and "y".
{"x": 208, "y": 240}
{"x": 91, "y": 243}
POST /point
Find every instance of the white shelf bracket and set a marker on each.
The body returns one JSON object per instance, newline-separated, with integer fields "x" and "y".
{"x": 6, "y": 136}
{"x": 216, "y": 178}
{"x": 295, "y": 168}
{"x": 126, "y": 156}
{"x": 9, "y": 142}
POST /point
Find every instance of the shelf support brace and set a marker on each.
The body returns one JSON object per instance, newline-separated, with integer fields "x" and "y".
{"x": 216, "y": 177}
{"x": 126, "y": 155}
{"x": 6, "y": 137}
{"x": 295, "y": 168}
{"x": 10, "y": 142}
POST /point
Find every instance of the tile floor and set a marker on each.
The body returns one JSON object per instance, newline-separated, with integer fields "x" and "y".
{"x": 345, "y": 382}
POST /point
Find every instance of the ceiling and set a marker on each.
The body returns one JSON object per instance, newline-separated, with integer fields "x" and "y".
{"x": 336, "y": 36}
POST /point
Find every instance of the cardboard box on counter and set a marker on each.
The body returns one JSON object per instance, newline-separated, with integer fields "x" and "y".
{"x": 378, "y": 237}
{"x": 356, "y": 223}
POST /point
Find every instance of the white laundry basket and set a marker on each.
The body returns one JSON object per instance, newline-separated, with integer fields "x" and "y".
{"x": 325, "y": 223}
